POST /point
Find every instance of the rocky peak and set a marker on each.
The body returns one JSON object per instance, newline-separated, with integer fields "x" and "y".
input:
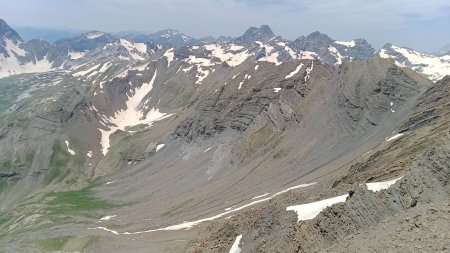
{"x": 357, "y": 49}
{"x": 263, "y": 34}
{"x": 314, "y": 41}
{"x": 7, "y": 32}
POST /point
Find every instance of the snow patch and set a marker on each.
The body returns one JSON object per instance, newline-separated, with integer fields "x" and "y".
{"x": 68, "y": 148}
{"x": 94, "y": 35}
{"x": 271, "y": 54}
{"x": 76, "y": 55}
{"x": 108, "y": 217}
{"x": 235, "y": 247}
{"x": 106, "y": 229}
{"x": 394, "y": 137}
{"x": 136, "y": 50}
{"x": 276, "y": 90}
{"x": 336, "y": 54}
{"x": 308, "y": 55}
{"x": 12, "y": 47}
{"x": 311, "y": 210}
{"x": 160, "y": 146}
{"x": 232, "y": 58}
{"x": 296, "y": 70}
{"x": 85, "y": 72}
{"x": 89, "y": 153}
{"x": 308, "y": 72}
{"x": 12, "y": 66}
{"x": 169, "y": 54}
{"x": 346, "y": 43}
{"x": 133, "y": 115}
{"x": 260, "y": 196}
{"x": 375, "y": 187}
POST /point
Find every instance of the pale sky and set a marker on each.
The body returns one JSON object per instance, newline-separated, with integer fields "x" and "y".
{"x": 419, "y": 24}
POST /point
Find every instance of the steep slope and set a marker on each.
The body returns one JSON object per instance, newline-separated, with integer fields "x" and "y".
{"x": 413, "y": 209}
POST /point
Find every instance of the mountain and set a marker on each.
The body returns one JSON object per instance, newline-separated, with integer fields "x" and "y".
{"x": 8, "y": 33}
{"x": 262, "y": 34}
{"x": 433, "y": 67}
{"x": 255, "y": 144}
{"x": 86, "y": 41}
{"x": 172, "y": 37}
{"x": 331, "y": 51}
{"x": 19, "y": 57}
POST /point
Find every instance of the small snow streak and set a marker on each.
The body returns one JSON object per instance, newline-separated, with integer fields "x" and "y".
{"x": 394, "y": 137}
{"x": 68, "y": 148}
{"x": 296, "y": 70}
{"x": 235, "y": 247}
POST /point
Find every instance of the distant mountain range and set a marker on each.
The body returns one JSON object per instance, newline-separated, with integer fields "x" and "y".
{"x": 38, "y": 55}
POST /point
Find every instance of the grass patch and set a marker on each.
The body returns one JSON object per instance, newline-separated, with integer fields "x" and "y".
{"x": 3, "y": 185}
{"x": 58, "y": 164}
{"x": 7, "y": 166}
{"x": 4, "y": 219}
{"x": 53, "y": 244}
{"x": 76, "y": 202}
{"x": 29, "y": 157}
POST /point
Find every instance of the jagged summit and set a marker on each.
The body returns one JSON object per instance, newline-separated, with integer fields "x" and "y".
{"x": 313, "y": 41}
{"x": 6, "y": 32}
{"x": 263, "y": 34}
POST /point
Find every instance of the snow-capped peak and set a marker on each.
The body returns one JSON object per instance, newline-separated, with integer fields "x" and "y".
{"x": 94, "y": 34}
{"x": 346, "y": 43}
{"x": 432, "y": 67}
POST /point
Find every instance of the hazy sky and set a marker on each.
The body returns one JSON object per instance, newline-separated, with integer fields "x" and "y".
{"x": 420, "y": 24}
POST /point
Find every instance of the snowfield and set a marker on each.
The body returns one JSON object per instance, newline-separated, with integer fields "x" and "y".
{"x": 133, "y": 115}
{"x": 231, "y": 57}
{"x": 375, "y": 187}
{"x": 311, "y": 210}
